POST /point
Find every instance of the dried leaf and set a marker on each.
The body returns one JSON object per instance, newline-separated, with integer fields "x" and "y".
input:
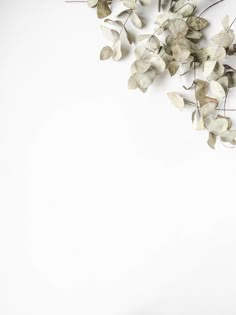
{"x": 180, "y": 54}
{"x": 212, "y": 140}
{"x": 144, "y": 80}
{"x": 103, "y": 9}
{"x": 197, "y": 23}
{"x": 114, "y": 22}
{"x": 117, "y": 52}
{"x": 135, "y": 19}
{"x": 230, "y": 137}
{"x": 173, "y": 67}
{"x": 111, "y": 35}
{"x": 178, "y": 26}
{"x": 131, "y": 4}
{"x": 106, "y": 53}
{"x": 225, "y": 23}
{"x": 176, "y": 99}
{"x": 142, "y": 66}
{"x": 224, "y": 39}
{"x": 231, "y": 79}
{"x": 153, "y": 43}
{"x": 217, "y": 89}
{"x": 217, "y": 126}
{"x": 209, "y": 67}
{"x": 92, "y": 3}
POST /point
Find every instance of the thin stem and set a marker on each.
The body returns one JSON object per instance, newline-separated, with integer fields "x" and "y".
{"x": 232, "y": 23}
{"x": 226, "y": 96}
{"x": 159, "y": 5}
{"x": 195, "y": 88}
{"x": 123, "y": 27}
{"x": 212, "y": 5}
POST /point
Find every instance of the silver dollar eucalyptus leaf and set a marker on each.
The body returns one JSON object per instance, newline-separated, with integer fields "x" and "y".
{"x": 106, "y": 53}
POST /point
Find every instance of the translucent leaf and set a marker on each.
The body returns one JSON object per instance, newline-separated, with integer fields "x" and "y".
{"x": 186, "y": 10}
{"x": 176, "y": 99}
{"x": 197, "y": 23}
{"x": 132, "y": 83}
{"x": 180, "y": 54}
{"x": 225, "y": 23}
{"x": 139, "y": 52}
{"x": 111, "y": 35}
{"x": 224, "y": 39}
{"x": 209, "y": 67}
{"x": 92, "y": 3}
{"x": 178, "y": 26}
{"x": 158, "y": 64}
{"x": 230, "y": 137}
{"x": 135, "y": 19}
{"x": 218, "y": 72}
{"x": 216, "y": 53}
{"x": 106, "y": 53}
{"x": 208, "y": 109}
{"x": 144, "y": 80}
{"x": 117, "y": 53}
{"x": 199, "y": 123}
{"x": 131, "y": 4}
{"x": 153, "y": 43}
{"x": 142, "y": 66}
{"x": 217, "y": 126}
{"x": 217, "y": 89}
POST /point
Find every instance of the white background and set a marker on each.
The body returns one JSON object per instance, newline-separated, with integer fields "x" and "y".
{"x": 110, "y": 202}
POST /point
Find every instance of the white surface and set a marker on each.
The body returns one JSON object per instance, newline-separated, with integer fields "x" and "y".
{"x": 110, "y": 202}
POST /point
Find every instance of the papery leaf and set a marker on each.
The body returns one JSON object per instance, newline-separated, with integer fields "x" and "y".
{"x": 212, "y": 140}
{"x": 197, "y": 23}
{"x": 131, "y": 4}
{"x": 230, "y": 137}
{"x": 231, "y": 79}
{"x": 225, "y": 23}
{"x": 224, "y": 39}
{"x": 110, "y": 34}
{"x": 135, "y": 19}
{"x": 103, "y": 9}
{"x": 92, "y": 3}
{"x": 209, "y": 67}
{"x": 117, "y": 52}
{"x": 180, "y": 54}
{"x": 176, "y": 99}
{"x": 106, "y": 53}
{"x": 217, "y": 126}
{"x": 178, "y": 26}
{"x": 173, "y": 67}
{"x": 142, "y": 66}
{"x": 217, "y": 89}
{"x": 114, "y": 22}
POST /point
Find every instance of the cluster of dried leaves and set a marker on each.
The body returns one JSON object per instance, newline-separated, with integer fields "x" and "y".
{"x": 174, "y": 47}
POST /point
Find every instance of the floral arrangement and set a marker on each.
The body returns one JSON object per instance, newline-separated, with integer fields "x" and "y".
{"x": 174, "y": 46}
